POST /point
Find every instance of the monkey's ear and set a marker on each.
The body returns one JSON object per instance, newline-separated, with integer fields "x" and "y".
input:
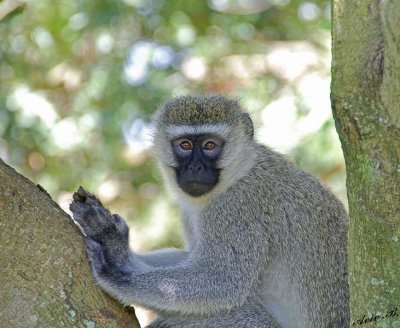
{"x": 248, "y": 125}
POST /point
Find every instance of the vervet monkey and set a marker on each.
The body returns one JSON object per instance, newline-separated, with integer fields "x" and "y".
{"x": 265, "y": 241}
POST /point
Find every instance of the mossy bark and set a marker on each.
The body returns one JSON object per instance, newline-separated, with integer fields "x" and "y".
{"x": 45, "y": 278}
{"x": 366, "y": 106}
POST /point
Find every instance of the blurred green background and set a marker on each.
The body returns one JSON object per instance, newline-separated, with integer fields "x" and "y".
{"x": 79, "y": 81}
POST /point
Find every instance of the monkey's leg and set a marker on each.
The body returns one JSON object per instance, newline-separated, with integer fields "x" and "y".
{"x": 250, "y": 315}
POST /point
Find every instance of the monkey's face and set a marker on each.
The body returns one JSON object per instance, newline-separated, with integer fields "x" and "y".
{"x": 203, "y": 144}
{"x": 197, "y": 155}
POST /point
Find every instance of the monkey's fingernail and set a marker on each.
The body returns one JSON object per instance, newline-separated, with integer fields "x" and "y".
{"x": 76, "y": 197}
{"x": 81, "y": 192}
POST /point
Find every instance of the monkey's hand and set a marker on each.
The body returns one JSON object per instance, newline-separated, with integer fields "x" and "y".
{"x": 107, "y": 235}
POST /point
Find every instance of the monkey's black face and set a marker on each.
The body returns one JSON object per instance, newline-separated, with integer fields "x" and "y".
{"x": 197, "y": 156}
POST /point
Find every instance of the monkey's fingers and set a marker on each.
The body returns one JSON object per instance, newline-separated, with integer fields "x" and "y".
{"x": 80, "y": 195}
{"x": 83, "y": 196}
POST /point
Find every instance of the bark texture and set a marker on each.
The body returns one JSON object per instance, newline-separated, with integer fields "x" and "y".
{"x": 45, "y": 278}
{"x": 366, "y": 107}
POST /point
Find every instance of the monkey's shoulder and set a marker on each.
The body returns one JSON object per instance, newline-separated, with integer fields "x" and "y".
{"x": 274, "y": 181}
{"x": 273, "y": 171}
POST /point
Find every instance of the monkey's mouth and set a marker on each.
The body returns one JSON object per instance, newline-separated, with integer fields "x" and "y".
{"x": 196, "y": 189}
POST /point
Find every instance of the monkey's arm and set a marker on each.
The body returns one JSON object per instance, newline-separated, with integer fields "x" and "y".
{"x": 187, "y": 288}
{"x": 209, "y": 281}
{"x": 99, "y": 224}
{"x": 163, "y": 257}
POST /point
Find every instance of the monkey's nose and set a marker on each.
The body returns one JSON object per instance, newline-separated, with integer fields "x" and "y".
{"x": 196, "y": 167}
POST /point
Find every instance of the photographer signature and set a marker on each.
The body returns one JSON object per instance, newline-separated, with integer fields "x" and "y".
{"x": 390, "y": 313}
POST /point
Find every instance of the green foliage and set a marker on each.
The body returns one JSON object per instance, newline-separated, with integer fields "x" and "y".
{"x": 77, "y": 78}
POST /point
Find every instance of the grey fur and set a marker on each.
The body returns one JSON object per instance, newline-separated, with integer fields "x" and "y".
{"x": 265, "y": 248}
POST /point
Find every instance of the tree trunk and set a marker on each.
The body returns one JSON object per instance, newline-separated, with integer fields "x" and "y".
{"x": 366, "y": 107}
{"x": 45, "y": 278}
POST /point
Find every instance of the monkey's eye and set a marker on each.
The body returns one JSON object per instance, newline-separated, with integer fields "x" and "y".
{"x": 186, "y": 145}
{"x": 209, "y": 145}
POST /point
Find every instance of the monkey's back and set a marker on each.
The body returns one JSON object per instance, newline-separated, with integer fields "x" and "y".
{"x": 305, "y": 283}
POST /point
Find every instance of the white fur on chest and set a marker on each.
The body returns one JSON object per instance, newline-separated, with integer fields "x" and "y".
{"x": 190, "y": 221}
{"x": 281, "y": 299}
